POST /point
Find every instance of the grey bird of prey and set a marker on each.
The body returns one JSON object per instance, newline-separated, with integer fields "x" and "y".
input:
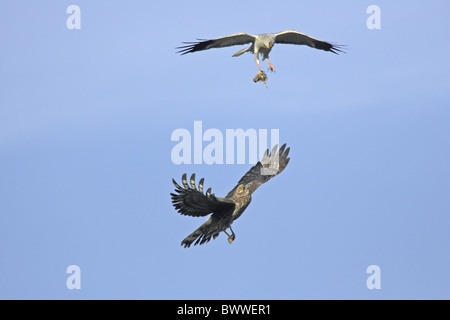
{"x": 260, "y": 44}
{"x": 190, "y": 201}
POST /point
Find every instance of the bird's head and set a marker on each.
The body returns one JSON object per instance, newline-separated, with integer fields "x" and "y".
{"x": 268, "y": 44}
{"x": 242, "y": 190}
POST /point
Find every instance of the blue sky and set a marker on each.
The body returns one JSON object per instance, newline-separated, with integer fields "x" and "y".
{"x": 86, "y": 118}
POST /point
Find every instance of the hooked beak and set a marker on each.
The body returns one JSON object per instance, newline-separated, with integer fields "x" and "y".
{"x": 267, "y": 46}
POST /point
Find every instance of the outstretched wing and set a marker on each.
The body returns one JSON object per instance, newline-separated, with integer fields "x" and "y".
{"x": 270, "y": 165}
{"x": 191, "y": 201}
{"x": 295, "y": 37}
{"x": 231, "y": 40}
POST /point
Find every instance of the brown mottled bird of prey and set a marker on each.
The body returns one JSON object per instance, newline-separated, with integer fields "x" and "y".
{"x": 260, "y": 44}
{"x": 190, "y": 201}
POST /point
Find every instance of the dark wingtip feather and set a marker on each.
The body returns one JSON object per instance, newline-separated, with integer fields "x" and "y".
{"x": 193, "y": 46}
{"x": 176, "y": 184}
{"x": 287, "y": 162}
{"x": 286, "y": 152}
{"x": 281, "y": 150}
{"x": 337, "y": 48}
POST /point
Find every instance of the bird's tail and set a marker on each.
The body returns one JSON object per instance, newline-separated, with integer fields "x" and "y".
{"x": 202, "y": 235}
{"x": 240, "y": 52}
{"x": 191, "y": 238}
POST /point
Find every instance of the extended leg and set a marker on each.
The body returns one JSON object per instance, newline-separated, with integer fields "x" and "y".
{"x": 260, "y": 73}
{"x": 261, "y": 76}
{"x": 232, "y": 237}
{"x": 271, "y": 68}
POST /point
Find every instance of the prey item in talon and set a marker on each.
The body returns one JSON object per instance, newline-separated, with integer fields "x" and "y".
{"x": 261, "y": 76}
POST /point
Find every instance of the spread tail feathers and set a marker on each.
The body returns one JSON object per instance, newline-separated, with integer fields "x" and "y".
{"x": 202, "y": 235}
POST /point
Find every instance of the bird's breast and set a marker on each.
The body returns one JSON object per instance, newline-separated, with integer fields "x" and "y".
{"x": 240, "y": 208}
{"x": 264, "y": 51}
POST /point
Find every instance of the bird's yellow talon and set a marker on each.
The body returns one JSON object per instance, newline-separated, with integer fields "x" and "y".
{"x": 230, "y": 240}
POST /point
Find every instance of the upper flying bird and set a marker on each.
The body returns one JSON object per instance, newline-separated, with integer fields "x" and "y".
{"x": 190, "y": 201}
{"x": 261, "y": 44}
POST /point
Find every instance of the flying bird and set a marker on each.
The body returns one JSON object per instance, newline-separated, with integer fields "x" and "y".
{"x": 260, "y": 44}
{"x": 190, "y": 201}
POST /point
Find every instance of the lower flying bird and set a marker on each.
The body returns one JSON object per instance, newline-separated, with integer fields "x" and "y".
{"x": 260, "y": 44}
{"x": 190, "y": 201}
